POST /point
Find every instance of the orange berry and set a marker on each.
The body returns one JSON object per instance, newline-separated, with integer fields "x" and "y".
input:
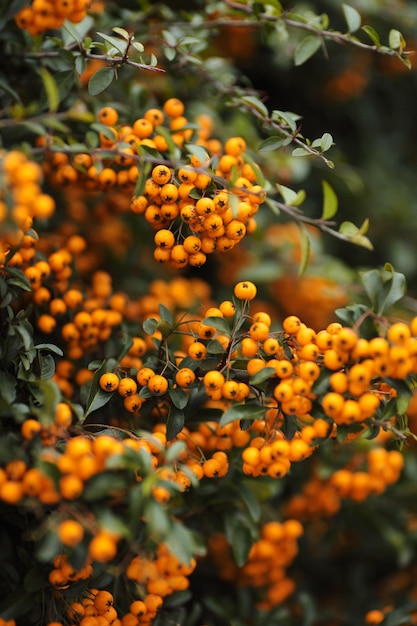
{"x": 109, "y": 382}
{"x": 245, "y": 290}
{"x": 173, "y": 107}
{"x": 70, "y": 532}
{"x": 158, "y": 384}
{"x": 108, "y": 116}
{"x": 103, "y": 547}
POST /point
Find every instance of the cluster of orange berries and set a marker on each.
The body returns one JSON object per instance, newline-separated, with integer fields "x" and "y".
{"x": 97, "y": 608}
{"x": 62, "y": 574}
{"x": 323, "y": 497}
{"x": 21, "y": 201}
{"x": 269, "y": 558}
{"x": 206, "y": 204}
{"x": 162, "y": 574}
{"x": 44, "y": 15}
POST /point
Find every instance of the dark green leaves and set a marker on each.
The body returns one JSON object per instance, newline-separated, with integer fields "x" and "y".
{"x": 384, "y": 288}
{"x": 101, "y": 80}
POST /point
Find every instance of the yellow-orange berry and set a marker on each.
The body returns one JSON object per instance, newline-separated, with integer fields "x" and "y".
{"x": 245, "y": 290}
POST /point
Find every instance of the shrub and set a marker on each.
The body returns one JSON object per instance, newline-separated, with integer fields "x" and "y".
{"x": 189, "y": 436}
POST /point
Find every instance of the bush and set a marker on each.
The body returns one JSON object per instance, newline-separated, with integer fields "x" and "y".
{"x": 203, "y": 419}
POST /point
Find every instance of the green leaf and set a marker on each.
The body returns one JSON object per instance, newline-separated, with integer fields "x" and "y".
{"x": 150, "y": 325}
{"x": 8, "y": 385}
{"x": 273, "y": 143}
{"x": 178, "y": 397}
{"x": 198, "y": 151}
{"x": 396, "y": 40}
{"x": 175, "y": 422}
{"x": 51, "y": 89}
{"x": 101, "y": 80}
{"x": 251, "y": 501}
{"x": 291, "y": 197}
{"x": 384, "y": 288}
{"x": 373, "y": 35}
{"x": 47, "y": 367}
{"x": 219, "y": 323}
{"x": 305, "y": 249}
{"x": 102, "y": 486}
{"x": 306, "y": 49}
{"x": 330, "y": 201}
{"x": 254, "y": 103}
{"x": 299, "y": 152}
{"x": 352, "y": 17}
{"x": 290, "y": 119}
{"x": 95, "y": 396}
{"x": 326, "y": 142}
{"x": 164, "y": 132}
{"x": 181, "y": 542}
{"x": 122, "y": 32}
{"x": 264, "y": 374}
{"x": 242, "y": 412}
{"x": 240, "y": 535}
{"x": 4, "y": 86}
{"x": 166, "y": 314}
{"x": 157, "y": 520}
{"x": 169, "y": 38}
{"x": 119, "y": 44}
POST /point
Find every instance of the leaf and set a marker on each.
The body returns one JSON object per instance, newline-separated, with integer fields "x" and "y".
{"x": 251, "y": 501}
{"x": 326, "y": 142}
{"x": 219, "y": 323}
{"x": 352, "y": 17}
{"x": 165, "y": 314}
{"x": 240, "y": 536}
{"x": 47, "y": 367}
{"x": 290, "y": 119}
{"x": 330, "y": 201}
{"x": 384, "y": 288}
{"x": 255, "y": 103}
{"x": 305, "y": 249}
{"x": 373, "y": 35}
{"x": 198, "y": 151}
{"x": 4, "y": 86}
{"x": 115, "y": 42}
{"x": 242, "y": 412}
{"x": 103, "y": 486}
{"x": 178, "y": 397}
{"x": 298, "y": 152}
{"x": 101, "y": 80}
{"x": 8, "y": 385}
{"x": 273, "y": 143}
{"x": 291, "y": 197}
{"x": 169, "y": 38}
{"x": 149, "y": 325}
{"x": 306, "y": 49}
{"x": 157, "y": 520}
{"x": 121, "y": 31}
{"x": 164, "y": 132}
{"x": 51, "y": 89}
{"x": 175, "y": 451}
{"x": 175, "y": 422}
{"x": 264, "y": 374}
{"x": 396, "y": 40}
{"x": 97, "y": 397}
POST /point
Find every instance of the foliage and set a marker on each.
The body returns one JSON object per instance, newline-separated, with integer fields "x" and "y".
{"x": 198, "y": 425}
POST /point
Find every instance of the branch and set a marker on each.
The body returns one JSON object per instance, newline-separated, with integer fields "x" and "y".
{"x": 336, "y": 36}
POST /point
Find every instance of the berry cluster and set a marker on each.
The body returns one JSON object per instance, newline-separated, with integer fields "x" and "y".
{"x": 206, "y": 203}
{"x": 21, "y": 201}
{"x": 44, "y": 15}
{"x": 269, "y": 558}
